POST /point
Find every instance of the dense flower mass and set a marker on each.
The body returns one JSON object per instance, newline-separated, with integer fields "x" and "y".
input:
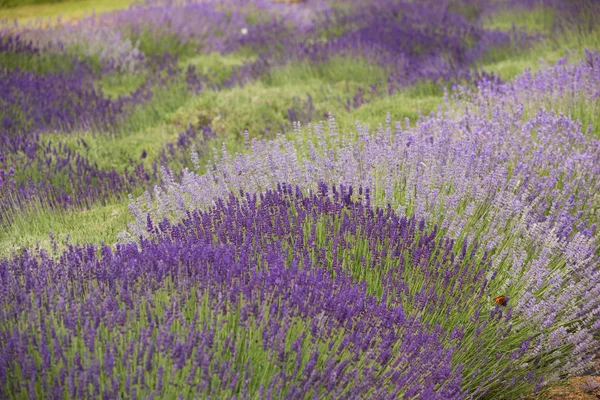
{"x": 303, "y": 280}
{"x": 452, "y": 256}
{"x": 52, "y": 101}
{"x": 572, "y": 89}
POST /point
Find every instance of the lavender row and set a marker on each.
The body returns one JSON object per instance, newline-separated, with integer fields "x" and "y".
{"x": 65, "y": 179}
{"x": 77, "y": 104}
{"x": 53, "y": 102}
{"x": 398, "y": 35}
{"x": 569, "y": 88}
{"x": 118, "y": 39}
{"x": 282, "y": 294}
{"x": 443, "y": 169}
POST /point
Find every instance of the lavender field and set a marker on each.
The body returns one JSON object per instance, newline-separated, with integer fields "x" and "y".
{"x": 318, "y": 199}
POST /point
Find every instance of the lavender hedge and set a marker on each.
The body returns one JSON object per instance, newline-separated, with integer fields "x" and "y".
{"x": 569, "y": 88}
{"x": 64, "y": 179}
{"x": 282, "y": 294}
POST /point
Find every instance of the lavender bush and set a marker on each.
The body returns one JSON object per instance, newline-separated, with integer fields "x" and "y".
{"x": 53, "y": 101}
{"x": 298, "y": 286}
{"x": 89, "y": 37}
{"x": 54, "y": 176}
{"x": 572, "y": 89}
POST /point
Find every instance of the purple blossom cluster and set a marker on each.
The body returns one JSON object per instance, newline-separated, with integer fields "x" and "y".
{"x": 415, "y": 40}
{"x": 55, "y": 101}
{"x": 14, "y": 44}
{"x": 221, "y": 24}
{"x": 120, "y": 39}
{"x": 278, "y": 279}
{"x": 90, "y": 37}
{"x": 569, "y": 88}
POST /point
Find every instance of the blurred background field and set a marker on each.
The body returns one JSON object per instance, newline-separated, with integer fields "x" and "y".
{"x": 117, "y": 115}
{"x": 29, "y": 10}
{"x": 263, "y": 105}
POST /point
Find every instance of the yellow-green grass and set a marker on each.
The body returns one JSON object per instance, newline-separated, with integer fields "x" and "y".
{"x": 534, "y": 20}
{"x": 115, "y": 152}
{"x": 68, "y": 10}
{"x": 97, "y": 225}
{"x": 546, "y": 52}
{"x": 552, "y": 46}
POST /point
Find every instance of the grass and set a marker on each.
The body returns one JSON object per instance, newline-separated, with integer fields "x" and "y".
{"x": 552, "y": 46}
{"x": 67, "y": 10}
{"x": 115, "y": 152}
{"x": 334, "y": 70}
{"x": 532, "y": 21}
{"x": 119, "y": 84}
{"x": 40, "y": 63}
{"x": 215, "y": 65}
{"x": 512, "y": 63}
{"x": 98, "y": 225}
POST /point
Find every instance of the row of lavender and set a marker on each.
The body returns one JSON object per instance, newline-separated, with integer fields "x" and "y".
{"x": 513, "y": 139}
{"x": 154, "y": 39}
{"x": 283, "y": 295}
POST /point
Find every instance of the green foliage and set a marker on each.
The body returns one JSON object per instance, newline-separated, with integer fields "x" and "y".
{"x": 98, "y": 225}
{"x": 155, "y": 43}
{"x": 164, "y": 101}
{"x": 40, "y": 63}
{"x": 511, "y": 61}
{"x": 29, "y": 10}
{"x": 536, "y": 20}
{"x": 334, "y": 70}
{"x": 217, "y": 67}
{"x": 120, "y": 84}
{"x": 18, "y": 3}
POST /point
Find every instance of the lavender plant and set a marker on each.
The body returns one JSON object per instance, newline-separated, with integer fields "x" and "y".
{"x": 53, "y": 102}
{"x": 572, "y": 89}
{"x": 280, "y": 294}
{"x": 238, "y": 311}
{"x": 91, "y": 37}
{"x": 56, "y": 176}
